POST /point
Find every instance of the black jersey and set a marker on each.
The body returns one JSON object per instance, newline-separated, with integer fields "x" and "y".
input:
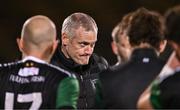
{"x": 35, "y": 84}
{"x": 121, "y": 87}
{"x": 165, "y": 92}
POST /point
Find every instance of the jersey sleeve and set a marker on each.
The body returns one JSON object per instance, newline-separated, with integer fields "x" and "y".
{"x": 67, "y": 93}
{"x": 155, "y": 95}
{"x": 165, "y": 92}
{"x": 99, "y": 97}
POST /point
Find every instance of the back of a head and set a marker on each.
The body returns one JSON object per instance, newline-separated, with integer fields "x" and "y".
{"x": 38, "y": 32}
{"x": 146, "y": 27}
{"x": 76, "y": 20}
{"x": 115, "y": 32}
{"x": 121, "y": 27}
{"x": 172, "y": 18}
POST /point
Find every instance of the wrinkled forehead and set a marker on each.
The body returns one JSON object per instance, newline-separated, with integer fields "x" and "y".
{"x": 82, "y": 35}
{"x": 85, "y": 34}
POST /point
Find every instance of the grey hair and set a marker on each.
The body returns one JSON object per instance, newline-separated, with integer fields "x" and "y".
{"x": 76, "y": 20}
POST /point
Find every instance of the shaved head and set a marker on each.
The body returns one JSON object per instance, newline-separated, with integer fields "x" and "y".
{"x": 37, "y": 31}
{"x": 37, "y": 36}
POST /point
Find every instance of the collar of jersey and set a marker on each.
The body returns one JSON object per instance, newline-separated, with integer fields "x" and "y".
{"x": 33, "y": 59}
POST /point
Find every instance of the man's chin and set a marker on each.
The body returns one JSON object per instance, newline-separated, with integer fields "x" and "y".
{"x": 84, "y": 63}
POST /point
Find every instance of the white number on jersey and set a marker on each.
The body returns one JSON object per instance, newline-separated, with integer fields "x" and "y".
{"x": 35, "y": 98}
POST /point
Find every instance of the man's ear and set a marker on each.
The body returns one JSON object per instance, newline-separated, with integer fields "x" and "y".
{"x": 162, "y": 45}
{"x": 20, "y": 44}
{"x": 64, "y": 39}
{"x": 55, "y": 45}
{"x": 174, "y": 45}
{"x": 114, "y": 48}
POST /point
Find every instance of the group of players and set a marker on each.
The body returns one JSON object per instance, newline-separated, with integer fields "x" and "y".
{"x": 70, "y": 76}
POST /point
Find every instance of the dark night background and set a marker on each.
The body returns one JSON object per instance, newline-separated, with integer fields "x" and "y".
{"x": 105, "y": 12}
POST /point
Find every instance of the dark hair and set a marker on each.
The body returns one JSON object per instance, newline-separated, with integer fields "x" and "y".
{"x": 146, "y": 27}
{"x": 172, "y": 18}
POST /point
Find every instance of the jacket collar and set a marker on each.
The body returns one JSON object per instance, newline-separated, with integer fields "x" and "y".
{"x": 68, "y": 62}
{"x": 144, "y": 54}
{"x": 32, "y": 58}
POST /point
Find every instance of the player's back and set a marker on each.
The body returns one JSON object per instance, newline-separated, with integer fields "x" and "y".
{"x": 30, "y": 84}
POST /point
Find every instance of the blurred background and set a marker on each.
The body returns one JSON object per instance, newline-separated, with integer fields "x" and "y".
{"x": 107, "y": 13}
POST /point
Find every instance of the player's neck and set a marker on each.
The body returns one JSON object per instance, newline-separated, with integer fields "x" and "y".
{"x": 39, "y": 56}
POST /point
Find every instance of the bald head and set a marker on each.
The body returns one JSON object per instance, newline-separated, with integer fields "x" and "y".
{"x": 38, "y": 30}
{"x": 38, "y": 37}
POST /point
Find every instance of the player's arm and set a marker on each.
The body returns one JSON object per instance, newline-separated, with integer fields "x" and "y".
{"x": 155, "y": 95}
{"x": 144, "y": 100}
{"x": 68, "y": 93}
{"x": 150, "y": 99}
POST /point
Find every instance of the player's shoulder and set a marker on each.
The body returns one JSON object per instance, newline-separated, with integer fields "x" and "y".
{"x": 46, "y": 66}
{"x": 9, "y": 64}
{"x": 60, "y": 70}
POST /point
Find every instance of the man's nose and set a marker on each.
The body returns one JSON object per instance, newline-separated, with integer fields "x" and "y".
{"x": 89, "y": 50}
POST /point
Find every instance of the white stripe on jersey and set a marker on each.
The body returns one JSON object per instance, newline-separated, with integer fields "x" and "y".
{"x": 42, "y": 62}
{"x": 53, "y": 66}
{"x": 62, "y": 70}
